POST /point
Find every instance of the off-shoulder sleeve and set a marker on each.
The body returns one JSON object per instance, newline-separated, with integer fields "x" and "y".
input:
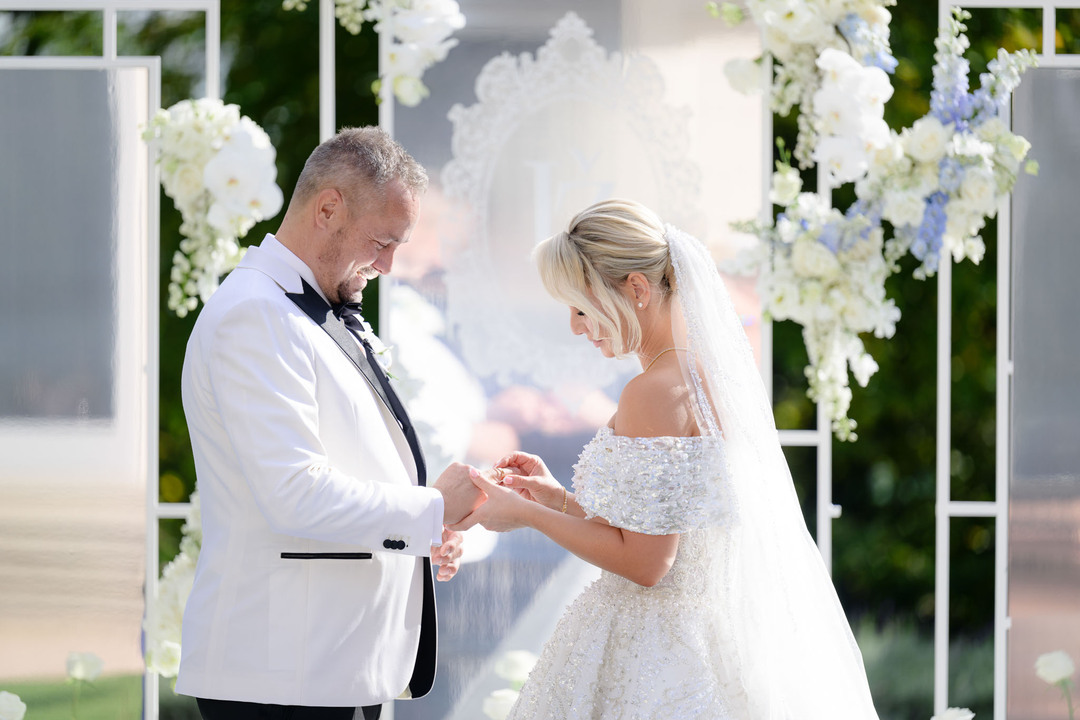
{"x": 656, "y": 486}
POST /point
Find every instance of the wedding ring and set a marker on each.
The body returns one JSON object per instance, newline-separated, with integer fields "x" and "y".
{"x": 500, "y": 473}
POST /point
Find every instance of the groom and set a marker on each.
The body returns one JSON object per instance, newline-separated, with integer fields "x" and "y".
{"x": 313, "y": 593}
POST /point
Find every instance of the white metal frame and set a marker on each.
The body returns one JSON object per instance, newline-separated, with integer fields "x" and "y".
{"x": 149, "y": 290}
{"x": 998, "y": 509}
{"x": 821, "y": 437}
{"x": 155, "y": 511}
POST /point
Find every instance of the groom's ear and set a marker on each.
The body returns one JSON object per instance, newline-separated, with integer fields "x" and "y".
{"x": 329, "y": 209}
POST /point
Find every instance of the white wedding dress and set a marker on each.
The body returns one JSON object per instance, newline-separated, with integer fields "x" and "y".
{"x": 627, "y": 652}
{"x": 746, "y": 625}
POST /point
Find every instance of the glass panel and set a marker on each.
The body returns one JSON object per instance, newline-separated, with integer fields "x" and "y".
{"x": 1044, "y": 490}
{"x": 74, "y": 179}
{"x": 489, "y": 355}
{"x": 57, "y": 285}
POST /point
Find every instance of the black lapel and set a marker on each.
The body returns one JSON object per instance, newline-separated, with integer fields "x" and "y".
{"x": 318, "y": 310}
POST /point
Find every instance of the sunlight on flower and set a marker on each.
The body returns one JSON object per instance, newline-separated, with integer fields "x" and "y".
{"x": 1054, "y": 667}
{"x": 11, "y": 707}
{"x": 84, "y": 666}
{"x": 497, "y": 705}
{"x": 515, "y": 666}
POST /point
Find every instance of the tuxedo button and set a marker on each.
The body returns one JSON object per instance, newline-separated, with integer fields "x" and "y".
{"x": 388, "y": 544}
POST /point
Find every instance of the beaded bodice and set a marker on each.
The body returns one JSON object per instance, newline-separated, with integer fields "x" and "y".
{"x": 660, "y": 486}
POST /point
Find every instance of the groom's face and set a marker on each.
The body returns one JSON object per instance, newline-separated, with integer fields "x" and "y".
{"x": 363, "y": 247}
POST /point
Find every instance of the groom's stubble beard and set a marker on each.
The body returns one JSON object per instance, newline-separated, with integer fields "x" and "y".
{"x": 347, "y": 289}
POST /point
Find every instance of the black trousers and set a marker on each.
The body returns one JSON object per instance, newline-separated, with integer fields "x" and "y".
{"x": 232, "y": 710}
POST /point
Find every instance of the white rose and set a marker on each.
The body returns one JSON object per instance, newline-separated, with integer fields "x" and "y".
{"x": 185, "y": 184}
{"x": 955, "y": 713}
{"x": 744, "y": 75}
{"x": 1054, "y": 667}
{"x": 811, "y": 259}
{"x": 84, "y": 666}
{"x": 991, "y": 130}
{"x": 786, "y": 185}
{"x": 971, "y": 146}
{"x": 11, "y": 707}
{"x": 904, "y": 208}
{"x": 515, "y": 665}
{"x": 927, "y": 140}
{"x": 979, "y": 190}
{"x": 497, "y": 705}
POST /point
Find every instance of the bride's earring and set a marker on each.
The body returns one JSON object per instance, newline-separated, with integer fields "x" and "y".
{"x": 641, "y": 305}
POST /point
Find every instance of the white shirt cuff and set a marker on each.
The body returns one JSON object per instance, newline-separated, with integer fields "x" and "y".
{"x": 438, "y": 509}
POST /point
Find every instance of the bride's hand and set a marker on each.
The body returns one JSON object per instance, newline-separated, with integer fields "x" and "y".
{"x": 503, "y": 510}
{"x": 531, "y": 479}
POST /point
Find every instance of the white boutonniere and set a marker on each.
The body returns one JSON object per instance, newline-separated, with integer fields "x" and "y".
{"x": 378, "y": 347}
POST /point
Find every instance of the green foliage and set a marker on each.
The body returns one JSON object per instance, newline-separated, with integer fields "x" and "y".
{"x": 108, "y": 698}
{"x": 900, "y": 669}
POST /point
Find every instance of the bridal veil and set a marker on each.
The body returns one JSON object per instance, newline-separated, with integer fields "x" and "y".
{"x": 794, "y": 653}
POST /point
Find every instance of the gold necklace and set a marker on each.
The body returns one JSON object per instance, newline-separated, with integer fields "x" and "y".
{"x": 658, "y": 357}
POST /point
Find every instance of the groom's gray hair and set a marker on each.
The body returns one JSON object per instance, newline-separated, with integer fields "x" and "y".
{"x": 357, "y": 160}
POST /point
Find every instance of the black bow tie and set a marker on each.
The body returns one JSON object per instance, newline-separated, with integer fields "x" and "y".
{"x": 349, "y": 309}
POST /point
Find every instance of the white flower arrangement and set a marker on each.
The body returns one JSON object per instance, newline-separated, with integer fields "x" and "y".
{"x": 795, "y": 35}
{"x": 218, "y": 168}
{"x": 935, "y": 183}
{"x": 826, "y": 271}
{"x": 162, "y": 626}
{"x": 939, "y": 181}
{"x": 11, "y": 706}
{"x": 419, "y": 32}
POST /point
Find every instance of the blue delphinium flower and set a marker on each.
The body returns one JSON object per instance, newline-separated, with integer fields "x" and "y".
{"x": 927, "y": 244}
{"x": 830, "y": 237}
{"x": 870, "y": 46}
{"x": 950, "y": 174}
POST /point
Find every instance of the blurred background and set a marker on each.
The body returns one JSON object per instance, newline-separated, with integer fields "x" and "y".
{"x": 71, "y": 553}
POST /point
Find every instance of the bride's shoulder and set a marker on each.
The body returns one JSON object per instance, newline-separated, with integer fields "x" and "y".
{"x": 655, "y": 404}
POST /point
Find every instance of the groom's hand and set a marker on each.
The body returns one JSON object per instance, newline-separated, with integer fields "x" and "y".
{"x": 460, "y": 495}
{"x": 448, "y": 555}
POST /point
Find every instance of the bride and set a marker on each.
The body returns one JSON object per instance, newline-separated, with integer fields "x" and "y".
{"x": 714, "y": 602}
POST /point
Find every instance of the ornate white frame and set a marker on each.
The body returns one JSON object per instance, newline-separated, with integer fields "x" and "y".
{"x": 571, "y": 64}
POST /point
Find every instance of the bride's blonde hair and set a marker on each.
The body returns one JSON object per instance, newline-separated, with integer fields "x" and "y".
{"x": 587, "y": 266}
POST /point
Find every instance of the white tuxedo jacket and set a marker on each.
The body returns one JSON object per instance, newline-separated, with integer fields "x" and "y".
{"x": 311, "y": 580}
